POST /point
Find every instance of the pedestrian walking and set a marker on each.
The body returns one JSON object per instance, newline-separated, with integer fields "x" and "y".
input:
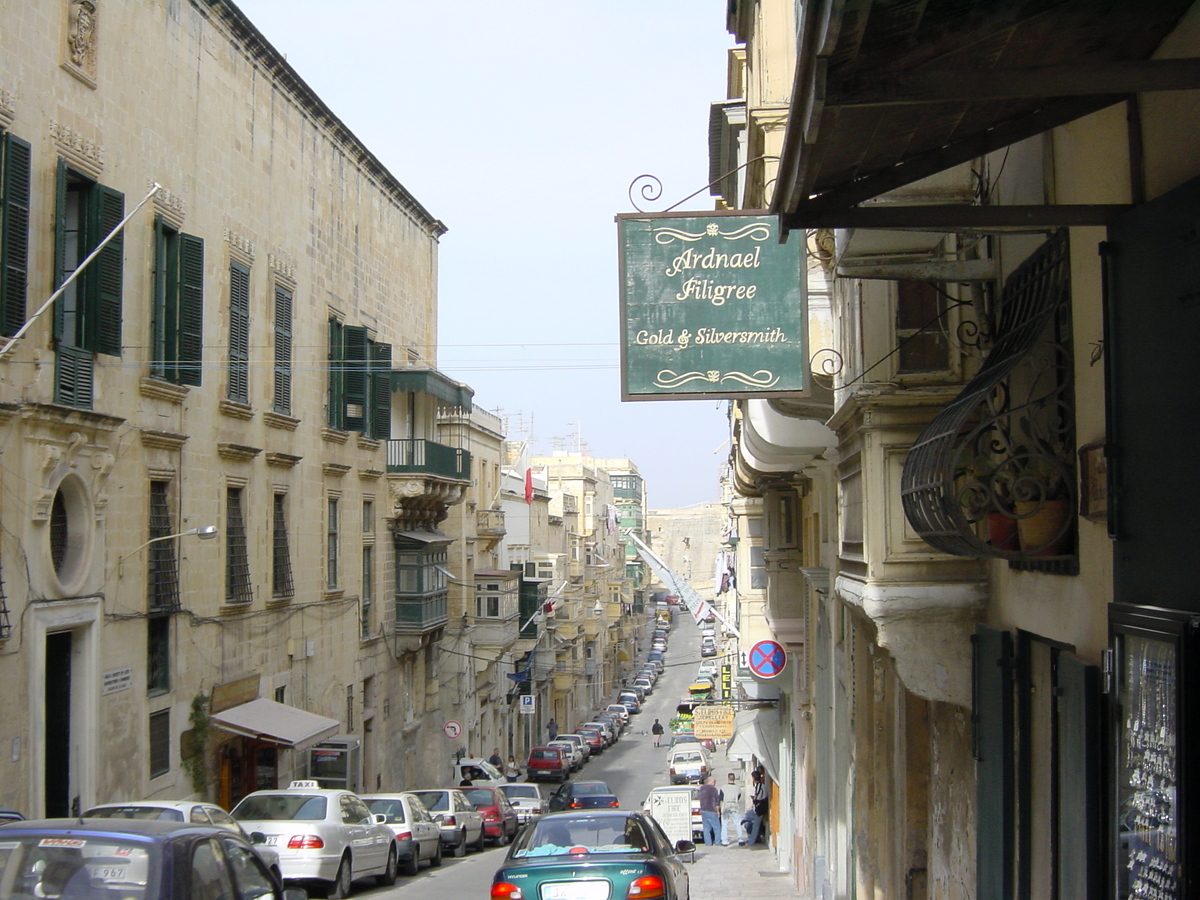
{"x": 731, "y": 807}
{"x": 552, "y": 729}
{"x": 710, "y": 811}
{"x": 657, "y": 730}
{"x": 511, "y": 770}
{"x": 496, "y": 759}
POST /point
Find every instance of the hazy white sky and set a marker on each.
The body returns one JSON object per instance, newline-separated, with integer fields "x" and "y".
{"x": 520, "y": 124}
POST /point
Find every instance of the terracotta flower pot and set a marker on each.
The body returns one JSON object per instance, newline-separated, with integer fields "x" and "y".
{"x": 1044, "y": 527}
{"x": 1002, "y": 531}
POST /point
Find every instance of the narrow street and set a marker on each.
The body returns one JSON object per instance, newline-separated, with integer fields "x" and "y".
{"x": 631, "y": 767}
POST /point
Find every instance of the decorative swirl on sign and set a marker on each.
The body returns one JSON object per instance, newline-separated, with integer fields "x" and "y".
{"x": 756, "y": 231}
{"x": 762, "y": 378}
{"x": 649, "y": 186}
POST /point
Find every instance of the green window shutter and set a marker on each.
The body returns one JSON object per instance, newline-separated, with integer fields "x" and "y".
{"x": 73, "y": 376}
{"x": 355, "y": 374}
{"x": 336, "y": 405}
{"x": 1080, "y": 780}
{"x": 992, "y": 717}
{"x": 15, "y": 164}
{"x": 239, "y": 333}
{"x": 60, "y": 246}
{"x": 381, "y": 391}
{"x": 190, "y": 338}
{"x": 104, "y": 336}
{"x": 283, "y": 350}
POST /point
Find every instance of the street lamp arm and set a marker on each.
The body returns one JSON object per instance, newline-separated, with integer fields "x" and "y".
{"x": 204, "y": 532}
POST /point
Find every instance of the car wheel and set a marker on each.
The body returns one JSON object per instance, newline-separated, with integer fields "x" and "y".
{"x": 479, "y": 844}
{"x": 436, "y": 859}
{"x": 340, "y": 889}
{"x": 460, "y": 849}
{"x": 388, "y": 878}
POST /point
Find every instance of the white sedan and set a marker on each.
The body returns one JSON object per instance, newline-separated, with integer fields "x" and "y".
{"x": 327, "y": 838}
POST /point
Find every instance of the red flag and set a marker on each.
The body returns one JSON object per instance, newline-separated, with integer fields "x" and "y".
{"x": 529, "y": 485}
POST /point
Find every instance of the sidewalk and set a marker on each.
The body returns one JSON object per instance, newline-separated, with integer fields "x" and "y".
{"x": 747, "y": 873}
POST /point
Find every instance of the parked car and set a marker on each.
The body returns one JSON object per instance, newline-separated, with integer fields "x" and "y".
{"x": 136, "y": 858}
{"x": 595, "y": 739}
{"x": 526, "y": 799}
{"x": 582, "y": 795}
{"x": 707, "y": 670}
{"x": 190, "y": 811}
{"x": 574, "y": 753}
{"x": 548, "y": 764}
{"x": 578, "y": 741}
{"x": 475, "y": 770}
{"x": 500, "y": 822}
{"x": 687, "y": 763}
{"x": 611, "y": 723}
{"x": 693, "y": 791}
{"x": 460, "y": 822}
{"x": 593, "y": 853}
{"x": 606, "y": 729}
{"x": 645, "y": 684}
{"x": 10, "y": 815}
{"x": 618, "y": 709}
{"x": 418, "y": 836}
{"x": 708, "y": 648}
{"x": 631, "y": 700}
{"x": 324, "y": 837}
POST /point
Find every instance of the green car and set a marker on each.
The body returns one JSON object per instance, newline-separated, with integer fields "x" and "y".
{"x": 594, "y": 855}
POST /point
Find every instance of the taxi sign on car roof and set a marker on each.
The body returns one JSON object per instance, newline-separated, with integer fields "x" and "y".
{"x": 304, "y": 785}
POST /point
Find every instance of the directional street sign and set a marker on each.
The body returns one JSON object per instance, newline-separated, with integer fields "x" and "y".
{"x": 767, "y": 659}
{"x": 451, "y": 729}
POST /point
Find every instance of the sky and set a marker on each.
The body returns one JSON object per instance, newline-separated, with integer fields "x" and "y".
{"x": 520, "y": 125}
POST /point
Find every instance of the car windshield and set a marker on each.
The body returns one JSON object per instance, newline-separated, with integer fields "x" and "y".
{"x": 570, "y": 836}
{"x": 522, "y": 791}
{"x": 546, "y": 754}
{"x": 435, "y": 801}
{"x": 480, "y": 797}
{"x": 284, "y": 807}
{"x": 73, "y": 864}
{"x": 592, "y": 787}
{"x": 393, "y": 809}
{"x": 134, "y": 812}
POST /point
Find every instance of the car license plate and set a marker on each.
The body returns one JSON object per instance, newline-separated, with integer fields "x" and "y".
{"x": 272, "y": 840}
{"x": 575, "y": 890}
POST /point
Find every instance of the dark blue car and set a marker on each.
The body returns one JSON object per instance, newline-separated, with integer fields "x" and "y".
{"x": 95, "y": 859}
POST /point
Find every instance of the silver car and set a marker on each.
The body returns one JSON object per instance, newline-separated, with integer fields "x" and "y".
{"x": 461, "y": 823}
{"x": 324, "y": 837}
{"x": 418, "y": 836}
{"x": 526, "y": 799}
{"x": 190, "y": 811}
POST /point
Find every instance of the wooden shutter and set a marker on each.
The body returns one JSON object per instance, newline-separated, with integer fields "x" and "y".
{"x": 60, "y": 247}
{"x": 357, "y": 363}
{"x": 992, "y": 718}
{"x": 381, "y": 391}
{"x": 15, "y": 162}
{"x": 239, "y": 333}
{"x": 104, "y": 335}
{"x": 73, "y": 376}
{"x": 283, "y": 350}
{"x": 336, "y": 405}
{"x": 190, "y": 338}
{"x": 1080, "y": 781}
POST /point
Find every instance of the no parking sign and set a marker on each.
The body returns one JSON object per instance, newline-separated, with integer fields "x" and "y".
{"x": 767, "y": 659}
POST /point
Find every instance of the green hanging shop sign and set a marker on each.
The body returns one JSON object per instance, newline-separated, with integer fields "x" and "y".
{"x": 712, "y": 305}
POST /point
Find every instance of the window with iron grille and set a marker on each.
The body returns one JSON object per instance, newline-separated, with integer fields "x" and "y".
{"x": 331, "y": 544}
{"x": 281, "y": 558}
{"x": 368, "y": 517}
{"x": 59, "y": 531}
{"x": 368, "y": 588}
{"x": 237, "y": 557}
{"x": 162, "y": 570}
{"x": 160, "y": 743}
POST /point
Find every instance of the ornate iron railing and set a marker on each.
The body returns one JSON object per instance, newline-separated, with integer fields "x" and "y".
{"x": 993, "y": 474}
{"x": 416, "y": 455}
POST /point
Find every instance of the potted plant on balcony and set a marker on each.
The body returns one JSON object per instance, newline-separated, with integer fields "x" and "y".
{"x": 985, "y": 493}
{"x": 1041, "y": 499}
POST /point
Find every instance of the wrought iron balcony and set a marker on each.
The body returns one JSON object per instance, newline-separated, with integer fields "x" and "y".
{"x": 418, "y": 614}
{"x": 424, "y": 457}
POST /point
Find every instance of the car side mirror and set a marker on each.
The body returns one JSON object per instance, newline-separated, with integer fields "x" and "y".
{"x": 684, "y": 846}
{"x": 257, "y": 837}
{"x": 379, "y": 819}
{"x": 295, "y": 893}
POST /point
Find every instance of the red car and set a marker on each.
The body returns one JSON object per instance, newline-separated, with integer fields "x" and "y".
{"x": 547, "y": 763}
{"x": 594, "y": 738}
{"x": 500, "y": 822}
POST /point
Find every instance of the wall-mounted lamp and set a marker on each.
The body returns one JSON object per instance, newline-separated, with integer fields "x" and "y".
{"x": 204, "y": 532}
{"x": 598, "y": 609}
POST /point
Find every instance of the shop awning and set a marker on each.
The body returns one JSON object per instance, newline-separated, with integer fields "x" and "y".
{"x": 431, "y": 381}
{"x": 756, "y": 733}
{"x": 277, "y": 723}
{"x": 887, "y": 94}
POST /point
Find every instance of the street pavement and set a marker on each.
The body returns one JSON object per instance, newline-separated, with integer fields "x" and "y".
{"x": 745, "y": 873}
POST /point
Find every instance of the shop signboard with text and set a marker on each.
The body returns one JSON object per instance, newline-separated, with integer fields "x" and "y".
{"x": 712, "y": 305}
